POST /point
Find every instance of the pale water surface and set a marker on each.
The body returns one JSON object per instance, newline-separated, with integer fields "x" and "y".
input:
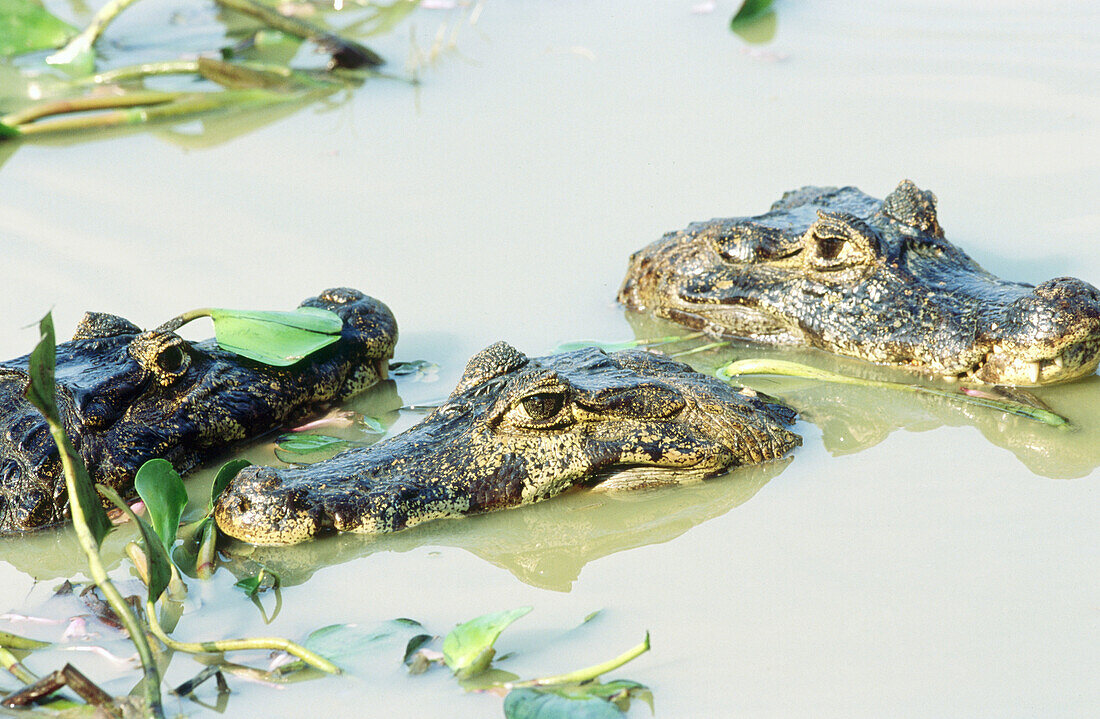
{"x": 913, "y": 558}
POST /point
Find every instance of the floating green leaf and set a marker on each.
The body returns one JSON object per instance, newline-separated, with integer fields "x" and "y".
{"x": 750, "y": 11}
{"x": 264, "y": 580}
{"x": 468, "y": 649}
{"x": 534, "y": 704}
{"x": 14, "y": 641}
{"x": 227, "y": 472}
{"x": 276, "y": 338}
{"x": 26, "y": 26}
{"x": 159, "y": 485}
{"x": 156, "y": 556}
{"x": 83, "y": 500}
{"x": 307, "y": 443}
{"x": 339, "y": 641}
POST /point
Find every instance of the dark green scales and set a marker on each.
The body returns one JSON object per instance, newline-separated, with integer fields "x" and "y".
{"x": 838, "y": 270}
{"x": 518, "y": 430}
{"x": 127, "y": 396}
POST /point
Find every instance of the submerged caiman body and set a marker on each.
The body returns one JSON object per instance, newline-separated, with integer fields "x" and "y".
{"x": 127, "y": 396}
{"x": 838, "y": 270}
{"x": 518, "y": 430}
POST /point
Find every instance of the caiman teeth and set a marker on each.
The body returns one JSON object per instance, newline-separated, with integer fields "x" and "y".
{"x": 997, "y": 349}
{"x": 1033, "y": 369}
{"x": 1060, "y": 362}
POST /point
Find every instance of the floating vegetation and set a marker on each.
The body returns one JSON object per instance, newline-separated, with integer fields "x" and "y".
{"x": 468, "y": 650}
{"x": 1035, "y": 413}
{"x": 72, "y": 93}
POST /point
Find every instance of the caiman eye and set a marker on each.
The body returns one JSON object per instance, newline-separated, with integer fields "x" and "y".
{"x": 163, "y": 355}
{"x": 541, "y": 411}
{"x": 839, "y": 241}
{"x": 543, "y": 406}
{"x": 171, "y": 359}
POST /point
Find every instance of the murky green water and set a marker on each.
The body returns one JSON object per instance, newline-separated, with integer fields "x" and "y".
{"x": 914, "y": 558}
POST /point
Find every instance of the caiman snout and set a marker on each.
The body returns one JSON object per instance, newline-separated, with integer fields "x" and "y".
{"x": 1049, "y": 335}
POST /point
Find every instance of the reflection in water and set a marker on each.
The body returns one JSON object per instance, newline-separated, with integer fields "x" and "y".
{"x": 546, "y": 544}
{"x": 856, "y": 418}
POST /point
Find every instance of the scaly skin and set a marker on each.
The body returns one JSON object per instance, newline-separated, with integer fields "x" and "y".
{"x": 873, "y": 279}
{"x": 127, "y": 396}
{"x": 516, "y": 431}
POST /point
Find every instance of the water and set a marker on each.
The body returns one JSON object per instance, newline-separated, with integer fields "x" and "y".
{"x": 913, "y": 559}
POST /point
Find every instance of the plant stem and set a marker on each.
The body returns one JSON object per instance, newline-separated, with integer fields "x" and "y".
{"x": 16, "y": 668}
{"x": 793, "y": 369}
{"x": 207, "y": 560}
{"x": 345, "y": 53}
{"x": 87, "y": 37}
{"x": 14, "y": 641}
{"x": 588, "y": 673}
{"x": 88, "y": 543}
{"x": 86, "y": 104}
{"x": 137, "y": 72}
{"x": 700, "y": 348}
{"x": 228, "y": 645}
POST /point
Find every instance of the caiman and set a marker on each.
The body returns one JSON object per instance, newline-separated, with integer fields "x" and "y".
{"x": 518, "y": 430}
{"x": 127, "y": 396}
{"x": 841, "y": 271}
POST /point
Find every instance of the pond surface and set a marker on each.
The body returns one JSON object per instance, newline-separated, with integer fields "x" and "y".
{"x": 913, "y": 558}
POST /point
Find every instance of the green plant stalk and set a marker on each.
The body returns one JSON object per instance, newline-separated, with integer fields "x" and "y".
{"x": 700, "y": 348}
{"x": 16, "y": 668}
{"x": 229, "y": 645}
{"x": 88, "y": 36}
{"x": 207, "y": 560}
{"x": 588, "y": 673}
{"x": 298, "y": 28}
{"x": 186, "y": 105}
{"x": 151, "y": 685}
{"x": 14, "y": 641}
{"x": 87, "y": 104}
{"x": 793, "y": 369}
{"x": 137, "y": 72}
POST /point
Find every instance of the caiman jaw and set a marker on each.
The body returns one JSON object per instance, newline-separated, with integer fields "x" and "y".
{"x": 1015, "y": 367}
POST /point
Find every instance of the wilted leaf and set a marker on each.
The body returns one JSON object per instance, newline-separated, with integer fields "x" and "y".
{"x": 468, "y": 649}
{"x": 533, "y": 704}
{"x": 159, "y": 485}
{"x": 26, "y": 26}
{"x": 41, "y": 394}
{"x": 276, "y": 338}
{"x": 156, "y": 557}
{"x": 227, "y": 472}
{"x": 307, "y": 443}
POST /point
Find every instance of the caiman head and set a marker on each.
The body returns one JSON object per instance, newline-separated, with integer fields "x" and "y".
{"x": 874, "y": 279}
{"x": 514, "y": 431}
{"x": 127, "y": 396}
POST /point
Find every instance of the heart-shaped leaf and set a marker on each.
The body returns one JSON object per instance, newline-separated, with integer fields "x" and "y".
{"x": 159, "y": 485}
{"x": 276, "y": 338}
{"x": 468, "y": 649}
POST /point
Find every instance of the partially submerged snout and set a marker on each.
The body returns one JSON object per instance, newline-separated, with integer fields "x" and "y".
{"x": 518, "y": 430}
{"x": 835, "y": 269}
{"x": 127, "y": 396}
{"x": 1050, "y": 334}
